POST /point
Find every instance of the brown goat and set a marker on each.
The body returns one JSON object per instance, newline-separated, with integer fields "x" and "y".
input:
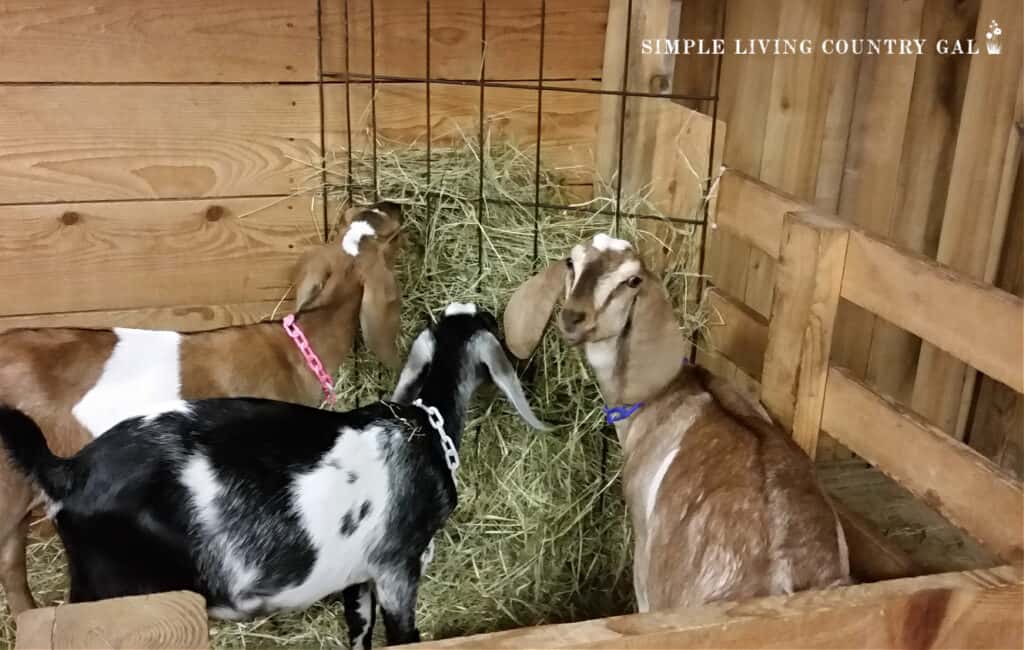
{"x": 76, "y": 383}
{"x": 724, "y": 505}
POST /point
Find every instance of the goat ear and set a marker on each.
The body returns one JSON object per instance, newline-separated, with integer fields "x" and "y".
{"x": 530, "y": 307}
{"x": 419, "y": 356}
{"x": 313, "y": 273}
{"x": 381, "y": 307}
{"x": 491, "y": 352}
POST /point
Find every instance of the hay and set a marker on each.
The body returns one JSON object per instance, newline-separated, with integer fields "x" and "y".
{"x": 540, "y": 534}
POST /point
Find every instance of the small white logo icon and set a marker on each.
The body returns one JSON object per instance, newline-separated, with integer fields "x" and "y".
{"x": 992, "y": 41}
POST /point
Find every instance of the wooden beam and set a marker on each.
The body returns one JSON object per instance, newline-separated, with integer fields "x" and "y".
{"x": 174, "y": 619}
{"x": 973, "y": 321}
{"x": 810, "y": 276}
{"x": 872, "y": 556}
{"x": 977, "y": 609}
{"x": 180, "y": 318}
{"x": 148, "y": 40}
{"x": 754, "y": 211}
{"x": 977, "y": 203}
{"x": 964, "y": 486}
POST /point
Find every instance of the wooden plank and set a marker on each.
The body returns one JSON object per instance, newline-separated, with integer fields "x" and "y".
{"x": 181, "y": 318}
{"x": 754, "y": 211}
{"x": 881, "y": 431}
{"x": 78, "y": 143}
{"x": 978, "y": 609}
{"x": 916, "y": 294}
{"x": 153, "y": 40}
{"x": 136, "y": 254}
{"x": 569, "y": 121}
{"x": 997, "y": 429}
{"x": 984, "y": 167}
{"x": 573, "y": 37}
{"x": 924, "y": 165}
{"x": 869, "y": 186}
{"x": 174, "y": 619}
{"x": 742, "y": 335}
{"x": 35, "y": 629}
{"x": 647, "y": 73}
{"x": 744, "y": 97}
{"x": 694, "y": 74}
{"x": 810, "y": 276}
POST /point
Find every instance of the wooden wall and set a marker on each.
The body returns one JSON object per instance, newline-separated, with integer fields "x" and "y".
{"x": 160, "y": 161}
{"x": 921, "y": 149}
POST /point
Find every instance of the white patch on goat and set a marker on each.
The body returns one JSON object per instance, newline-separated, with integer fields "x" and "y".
{"x": 199, "y": 479}
{"x": 324, "y": 497}
{"x": 363, "y": 609}
{"x": 141, "y": 377}
{"x": 177, "y": 406}
{"x": 602, "y": 355}
{"x": 603, "y": 242}
{"x": 578, "y": 255}
{"x": 456, "y": 308}
{"x": 420, "y": 354}
{"x": 356, "y": 231}
{"x": 659, "y": 476}
{"x": 610, "y": 281}
{"x": 844, "y": 550}
{"x": 687, "y": 415}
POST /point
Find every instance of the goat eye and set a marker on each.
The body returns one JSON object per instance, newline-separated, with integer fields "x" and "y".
{"x": 634, "y": 281}
{"x": 568, "y": 263}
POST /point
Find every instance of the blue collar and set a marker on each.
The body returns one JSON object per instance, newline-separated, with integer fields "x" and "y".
{"x": 617, "y": 413}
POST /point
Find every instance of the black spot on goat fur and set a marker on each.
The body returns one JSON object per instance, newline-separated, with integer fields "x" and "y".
{"x": 351, "y": 477}
{"x": 350, "y": 522}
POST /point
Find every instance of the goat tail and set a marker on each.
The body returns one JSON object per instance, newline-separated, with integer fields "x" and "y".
{"x": 27, "y": 449}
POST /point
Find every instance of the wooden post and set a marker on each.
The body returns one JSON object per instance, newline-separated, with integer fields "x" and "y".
{"x": 807, "y": 287}
{"x": 175, "y": 619}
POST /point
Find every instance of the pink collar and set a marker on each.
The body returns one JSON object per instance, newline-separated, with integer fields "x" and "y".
{"x": 291, "y": 327}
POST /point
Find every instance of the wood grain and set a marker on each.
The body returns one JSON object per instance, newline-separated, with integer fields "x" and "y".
{"x": 130, "y": 255}
{"x": 952, "y": 610}
{"x": 742, "y": 336}
{"x": 754, "y": 211}
{"x": 78, "y": 143}
{"x": 868, "y": 191}
{"x": 973, "y": 321}
{"x": 810, "y": 277}
{"x": 569, "y": 121}
{"x": 180, "y": 318}
{"x": 925, "y": 164}
{"x": 155, "y": 40}
{"x": 855, "y": 414}
{"x": 977, "y": 203}
{"x": 573, "y": 37}
{"x": 175, "y": 619}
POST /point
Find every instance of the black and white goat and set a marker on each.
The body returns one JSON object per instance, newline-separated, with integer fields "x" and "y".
{"x": 264, "y": 506}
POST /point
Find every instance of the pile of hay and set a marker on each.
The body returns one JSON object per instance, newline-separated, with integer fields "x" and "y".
{"x": 540, "y": 534}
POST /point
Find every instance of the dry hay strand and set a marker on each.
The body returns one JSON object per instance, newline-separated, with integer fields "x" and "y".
{"x": 540, "y": 534}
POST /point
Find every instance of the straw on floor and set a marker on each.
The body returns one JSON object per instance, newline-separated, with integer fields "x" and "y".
{"x": 540, "y": 534}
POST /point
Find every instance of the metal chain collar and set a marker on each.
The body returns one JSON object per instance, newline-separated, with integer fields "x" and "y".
{"x": 451, "y": 454}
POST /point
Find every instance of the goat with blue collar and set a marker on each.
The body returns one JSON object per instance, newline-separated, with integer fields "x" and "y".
{"x": 263, "y": 506}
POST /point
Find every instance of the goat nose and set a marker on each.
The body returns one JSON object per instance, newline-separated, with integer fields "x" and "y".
{"x": 571, "y": 317}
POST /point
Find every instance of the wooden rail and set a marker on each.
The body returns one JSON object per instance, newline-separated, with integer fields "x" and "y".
{"x": 977, "y": 323}
{"x": 979, "y": 609}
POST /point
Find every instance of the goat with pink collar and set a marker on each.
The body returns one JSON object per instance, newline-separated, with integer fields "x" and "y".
{"x": 78, "y": 383}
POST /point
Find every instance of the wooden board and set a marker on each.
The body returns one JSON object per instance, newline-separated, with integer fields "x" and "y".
{"x": 868, "y": 191}
{"x": 155, "y": 40}
{"x": 741, "y": 334}
{"x": 174, "y": 619}
{"x": 916, "y": 294}
{"x": 180, "y": 318}
{"x": 979, "y": 609}
{"x": 573, "y": 38}
{"x": 78, "y": 143}
{"x": 857, "y": 416}
{"x": 925, "y": 164}
{"x": 810, "y": 278}
{"x": 129, "y": 255}
{"x": 977, "y": 203}
{"x": 754, "y": 211}
{"x": 569, "y": 121}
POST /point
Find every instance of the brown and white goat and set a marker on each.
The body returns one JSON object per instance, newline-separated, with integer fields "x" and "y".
{"x": 724, "y": 505}
{"x": 77, "y": 383}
